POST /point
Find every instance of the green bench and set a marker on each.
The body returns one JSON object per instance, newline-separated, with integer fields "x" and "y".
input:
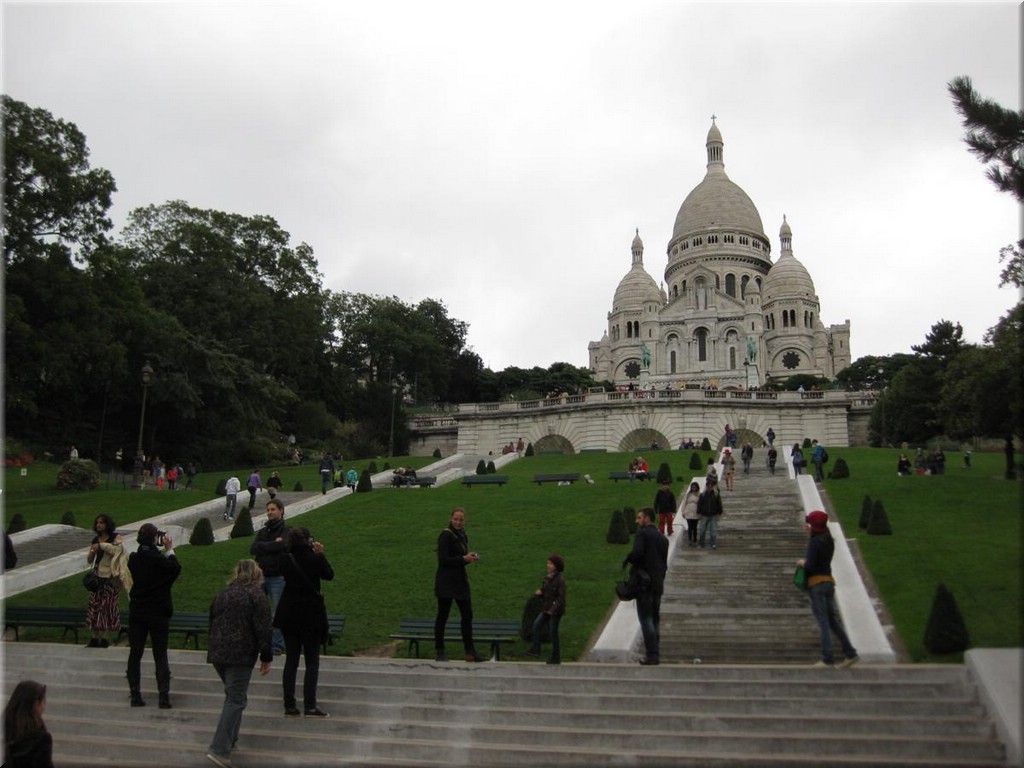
{"x": 194, "y": 624}
{"x": 485, "y": 479}
{"x": 68, "y": 619}
{"x": 564, "y": 477}
{"x": 616, "y": 476}
{"x": 493, "y": 632}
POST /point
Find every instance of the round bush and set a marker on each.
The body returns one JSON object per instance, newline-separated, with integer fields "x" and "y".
{"x": 68, "y": 518}
{"x": 695, "y": 462}
{"x": 221, "y": 486}
{"x": 618, "y": 533}
{"x": 365, "y": 484}
{"x": 17, "y": 523}
{"x": 529, "y": 450}
{"x": 840, "y": 470}
{"x": 78, "y": 475}
{"x": 491, "y": 469}
{"x": 664, "y": 473}
{"x": 481, "y": 467}
{"x": 946, "y": 631}
{"x": 878, "y": 525}
{"x": 298, "y": 487}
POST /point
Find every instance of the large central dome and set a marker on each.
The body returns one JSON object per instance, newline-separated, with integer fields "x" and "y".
{"x": 716, "y": 203}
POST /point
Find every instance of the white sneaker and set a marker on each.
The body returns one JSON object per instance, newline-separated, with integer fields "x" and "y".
{"x": 222, "y": 760}
{"x": 847, "y": 663}
{"x": 822, "y": 664}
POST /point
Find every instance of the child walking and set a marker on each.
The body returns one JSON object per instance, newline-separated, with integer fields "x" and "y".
{"x": 552, "y": 594}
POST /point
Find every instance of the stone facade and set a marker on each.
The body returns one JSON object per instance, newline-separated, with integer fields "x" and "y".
{"x": 726, "y": 316}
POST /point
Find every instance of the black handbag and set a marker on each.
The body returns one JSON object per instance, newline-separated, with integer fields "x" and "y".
{"x": 639, "y": 581}
{"x": 92, "y": 580}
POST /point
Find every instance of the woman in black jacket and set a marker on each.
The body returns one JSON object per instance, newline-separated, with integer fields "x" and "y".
{"x": 27, "y": 742}
{"x": 302, "y": 617}
{"x": 451, "y": 584}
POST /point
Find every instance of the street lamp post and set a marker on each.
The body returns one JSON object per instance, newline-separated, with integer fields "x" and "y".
{"x": 137, "y": 476}
{"x": 391, "y": 437}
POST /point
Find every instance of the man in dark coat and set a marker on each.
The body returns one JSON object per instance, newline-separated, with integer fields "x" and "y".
{"x": 649, "y": 555}
{"x": 150, "y": 609}
{"x": 451, "y": 584}
{"x": 268, "y": 548}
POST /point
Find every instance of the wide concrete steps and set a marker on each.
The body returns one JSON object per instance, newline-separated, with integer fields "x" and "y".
{"x": 737, "y": 603}
{"x": 393, "y": 712}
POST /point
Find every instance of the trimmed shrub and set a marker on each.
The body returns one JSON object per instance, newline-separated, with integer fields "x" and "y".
{"x": 530, "y": 610}
{"x": 946, "y": 631}
{"x": 481, "y": 467}
{"x": 806, "y": 444}
{"x": 243, "y": 525}
{"x": 387, "y": 465}
{"x": 437, "y": 453}
{"x": 878, "y": 525}
{"x": 372, "y": 468}
{"x": 618, "y": 533}
{"x": 705, "y": 444}
{"x": 695, "y": 462}
{"x": 17, "y": 523}
{"x": 664, "y": 473}
{"x": 365, "y": 484}
{"x": 221, "y": 486}
{"x": 529, "y": 450}
{"x": 202, "y": 534}
{"x": 491, "y": 469}
{"x": 78, "y": 475}
{"x": 840, "y": 470}
{"x": 866, "y": 508}
{"x": 68, "y": 518}
{"x": 630, "y": 514}
{"x": 298, "y": 487}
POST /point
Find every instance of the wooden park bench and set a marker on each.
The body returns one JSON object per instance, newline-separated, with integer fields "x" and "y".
{"x": 564, "y": 477}
{"x": 485, "y": 479}
{"x": 195, "y": 623}
{"x": 616, "y": 476}
{"x": 68, "y": 619}
{"x": 494, "y": 632}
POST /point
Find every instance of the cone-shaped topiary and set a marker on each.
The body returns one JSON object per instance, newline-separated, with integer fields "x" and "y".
{"x": 705, "y": 444}
{"x": 68, "y": 518}
{"x": 298, "y": 487}
{"x": 529, "y": 450}
{"x": 618, "y": 533}
{"x": 867, "y": 507}
{"x": 78, "y": 475}
{"x": 946, "y": 631}
{"x": 481, "y": 467}
{"x": 696, "y": 462}
{"x": 878, "y": 525}
{"x": 437, "y": 453}
{"x": 17, "y": 523}
{"x": 373, "y": 468}
{"x": 387, "y": 465}
{"x": 365, "y": 484}
{"x": 530, "y": 610}
{"x": 630, "y": 514}
{"x": 243, "y": 525}
{"x": 664, "y": 473}
{"x": 491, "y": 469}
{"x": 202, "y": 534}
{"x": 806, "y": 444}
{"x": 221, "y": 486}
{"x": 840, "y": 470}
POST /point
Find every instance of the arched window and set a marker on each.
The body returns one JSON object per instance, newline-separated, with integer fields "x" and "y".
{"x": 730, "y": 284}
{"x": 743, "y": 285}
{"x": 702, "y": 345}
{"x": 672, "y": 361}
{"x": 792, "y": 318}
{"x": 732, "y": 358}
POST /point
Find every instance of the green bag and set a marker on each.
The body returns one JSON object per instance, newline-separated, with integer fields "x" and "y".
{"x": 800, "y": 577}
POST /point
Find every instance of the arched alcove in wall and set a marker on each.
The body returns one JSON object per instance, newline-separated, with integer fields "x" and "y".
{"x": 552, "y": 443}
{"x": 643, "y": 439}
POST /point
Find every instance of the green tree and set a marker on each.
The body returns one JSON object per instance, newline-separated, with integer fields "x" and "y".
{"x": 996, "y": 136}
{"x": 54, "y": 203}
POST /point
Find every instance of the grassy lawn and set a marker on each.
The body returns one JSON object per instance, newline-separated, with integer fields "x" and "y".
{"x": 962, "y": 528}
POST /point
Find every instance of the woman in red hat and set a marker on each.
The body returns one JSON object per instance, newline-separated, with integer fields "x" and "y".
{"x": 822, "y": 589}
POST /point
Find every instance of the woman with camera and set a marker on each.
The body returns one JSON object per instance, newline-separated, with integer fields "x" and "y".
{"x": 103, "y": 615}
{"x": 302, "y": 618}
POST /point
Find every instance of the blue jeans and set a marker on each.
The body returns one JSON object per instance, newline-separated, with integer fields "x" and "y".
{"x": 648, "y": 611}
{"x": 325, "y": 480}
{"x": 236, "y": 688}
{"x": 819, "y": 472}
{"x": 826, "y": 613}
{"x": 273, "y": 586}
{"x": 538, "y": 626}
{"x": 709, "y": 524}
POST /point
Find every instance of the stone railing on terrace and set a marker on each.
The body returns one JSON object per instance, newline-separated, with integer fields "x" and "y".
{"x": 674, "y": 396}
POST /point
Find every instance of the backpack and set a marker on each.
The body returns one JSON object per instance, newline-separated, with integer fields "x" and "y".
{"x": 824, "y": 456}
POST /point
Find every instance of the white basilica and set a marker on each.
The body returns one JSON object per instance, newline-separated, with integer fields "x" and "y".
{"x": 730, "y": 317}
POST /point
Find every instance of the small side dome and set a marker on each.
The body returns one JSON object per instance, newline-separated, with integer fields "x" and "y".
{"x": 785, "y": 230}
{"x": 788, "y": 279}
{"x": 635, "y": 288}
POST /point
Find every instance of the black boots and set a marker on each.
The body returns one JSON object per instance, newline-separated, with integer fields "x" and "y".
{"x": 136, "y": 698}
{"x": 165, "y": 700}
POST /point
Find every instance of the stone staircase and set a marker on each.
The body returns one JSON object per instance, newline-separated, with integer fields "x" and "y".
{"x": 391, "y": 712}
{"x": 737, "y": 603}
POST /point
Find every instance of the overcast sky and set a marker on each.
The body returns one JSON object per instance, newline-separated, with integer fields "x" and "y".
{"x": 499, "y": 157}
